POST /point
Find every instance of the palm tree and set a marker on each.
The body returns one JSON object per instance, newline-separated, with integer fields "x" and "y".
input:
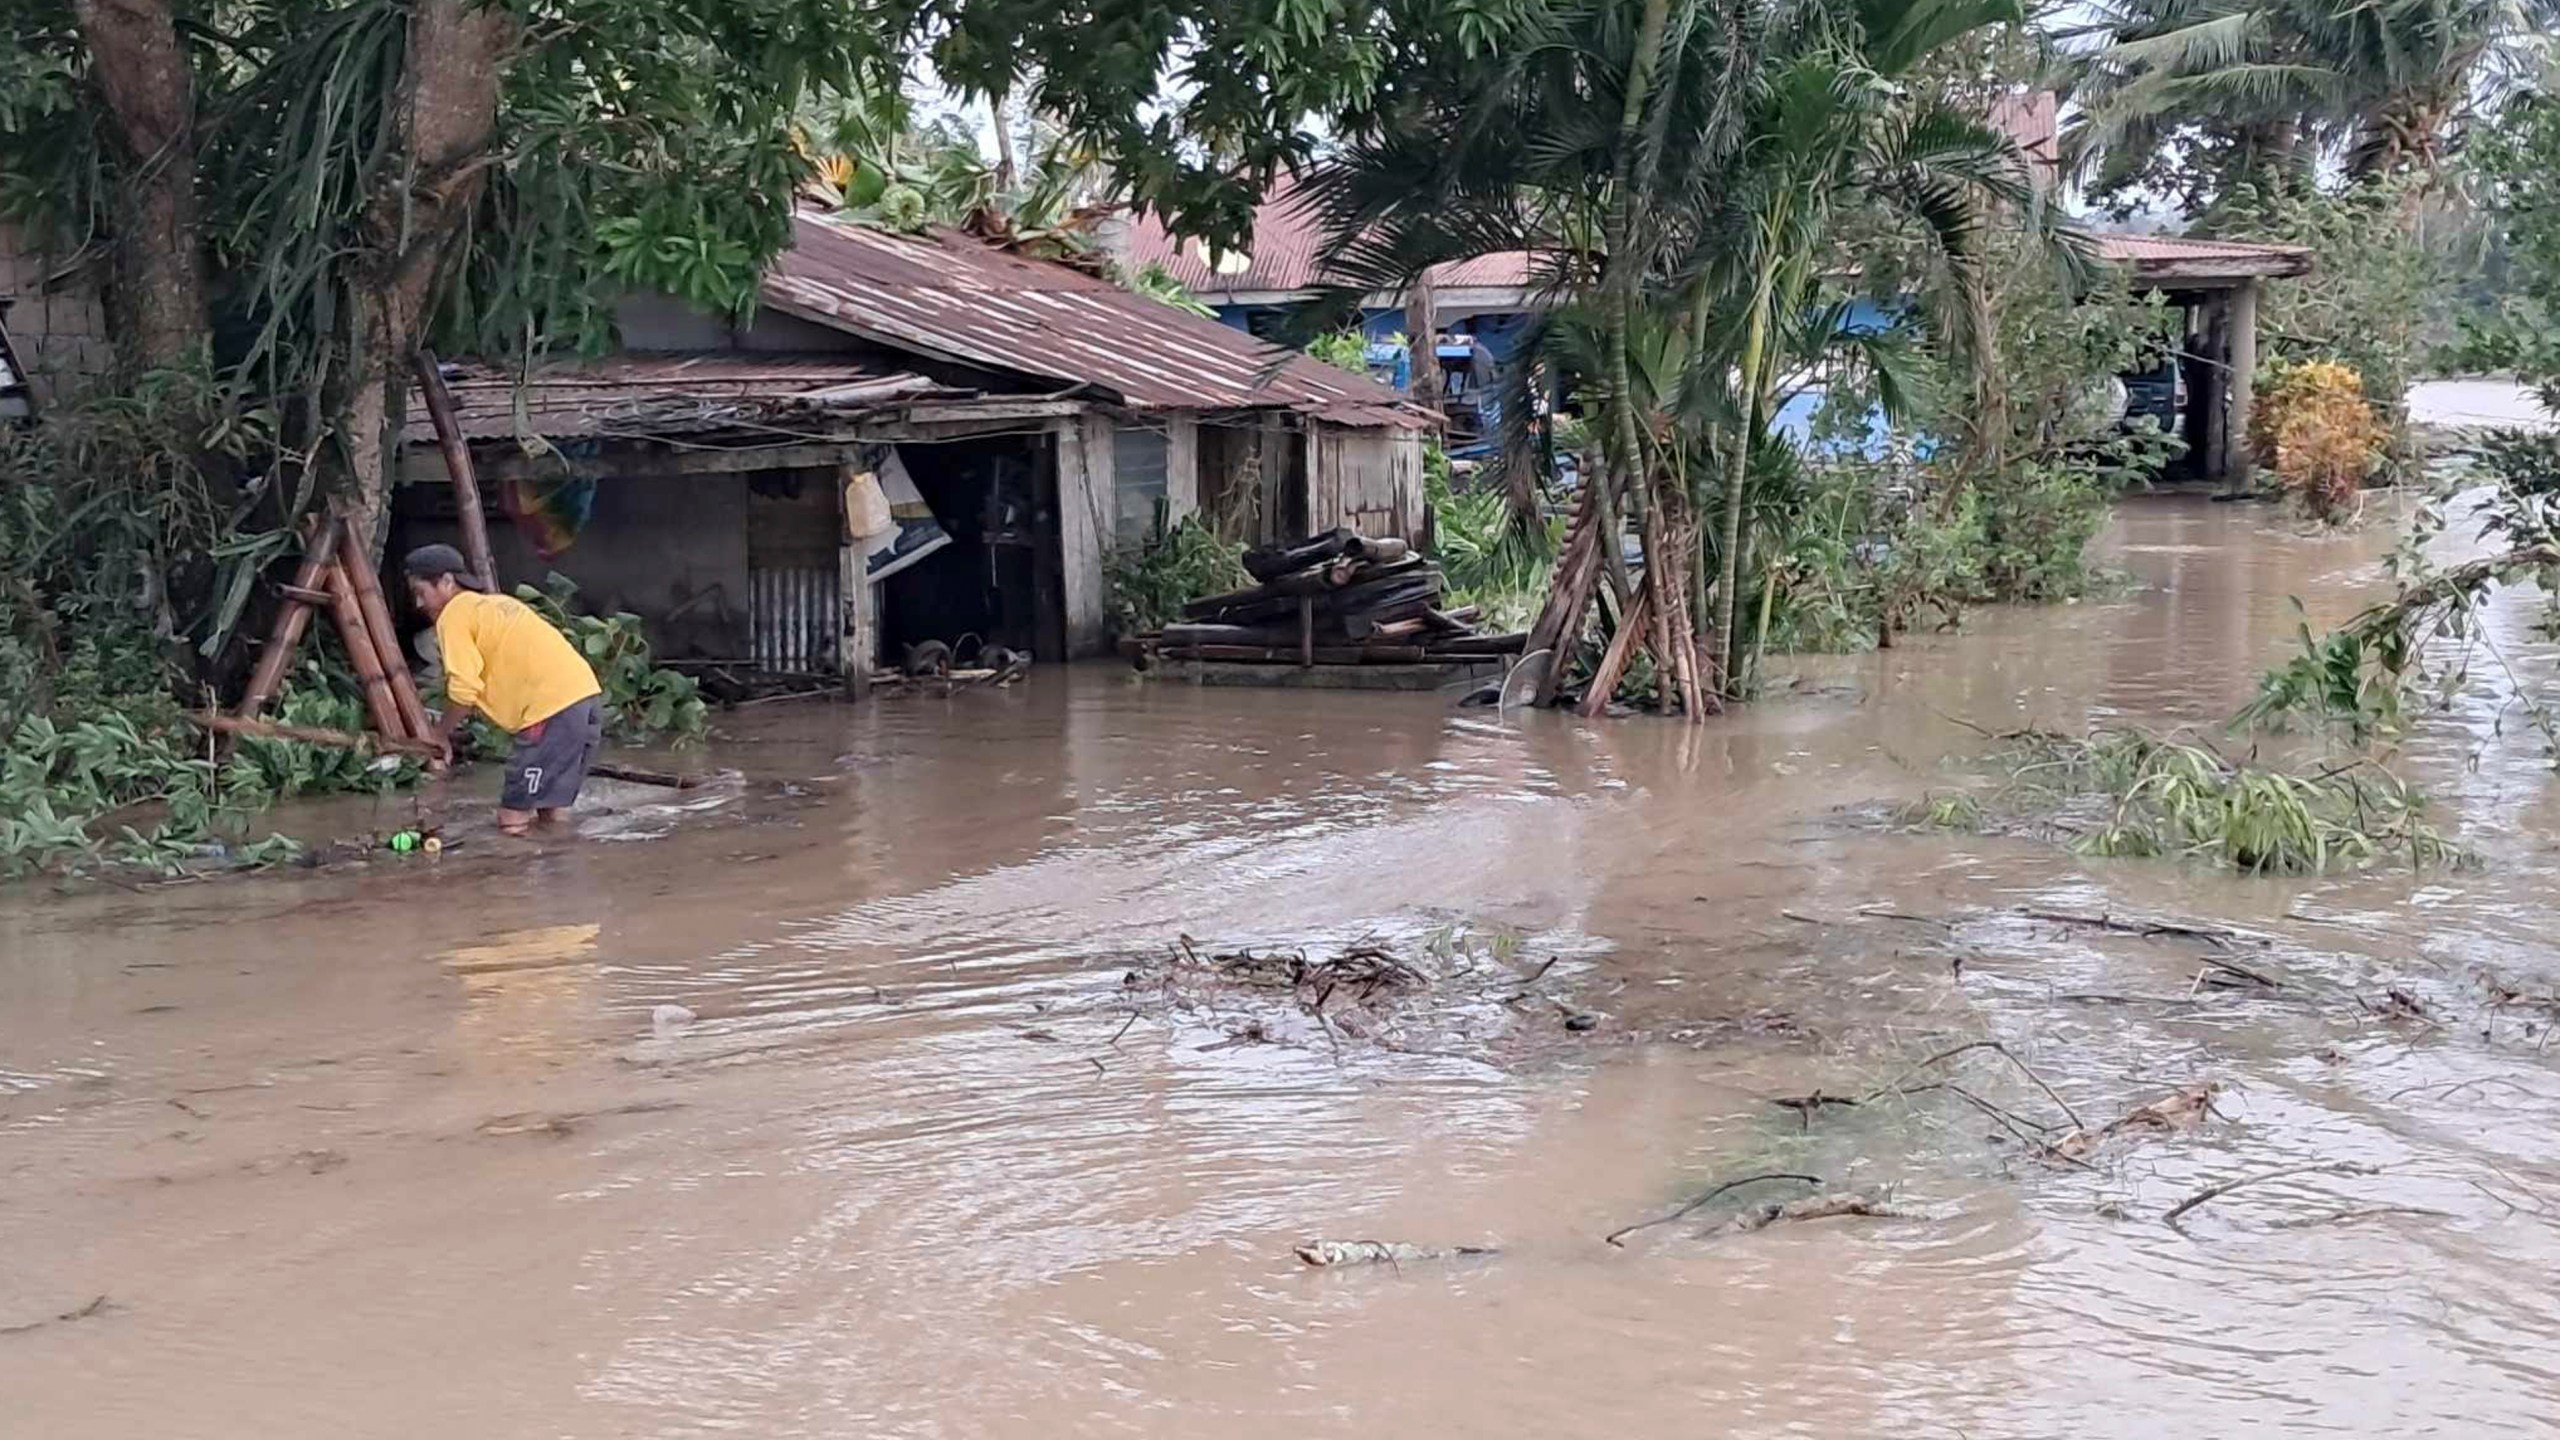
{"x": 1679, "y": 171}
{"x": 2203, "y": 96}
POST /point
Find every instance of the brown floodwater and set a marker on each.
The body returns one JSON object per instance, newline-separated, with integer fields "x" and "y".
{"x": 406, "y": 1150}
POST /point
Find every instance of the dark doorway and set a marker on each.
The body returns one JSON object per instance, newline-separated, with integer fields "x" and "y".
{"x": 999, "y": 579}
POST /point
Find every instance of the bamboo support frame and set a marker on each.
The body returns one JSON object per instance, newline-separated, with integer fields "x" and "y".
{"x": 378, "y": 700}
{"x": 375, "y": 609}
{"x": 293, "y": 620}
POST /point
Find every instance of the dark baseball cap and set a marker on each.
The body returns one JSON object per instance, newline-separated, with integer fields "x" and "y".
{"x": 429, "y": 562}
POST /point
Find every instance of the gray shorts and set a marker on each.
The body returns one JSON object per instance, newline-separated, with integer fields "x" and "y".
{"x": 551, "y": 759}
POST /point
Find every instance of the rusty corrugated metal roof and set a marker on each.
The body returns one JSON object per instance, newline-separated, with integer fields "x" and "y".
{"x": 946, "y": 294}
{"x": 2032, "y": 118}
{"x": 641, "y": 394}
{"x": 1283, "y": 255}
{"x": 2175, "y": 257}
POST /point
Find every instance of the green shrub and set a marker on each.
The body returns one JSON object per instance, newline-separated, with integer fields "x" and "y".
{"x": 642, "y": 702}
{"x": 1147, "y": 585}
{"x": 2037, "y": 523}
{"x": 1487, "y": 558}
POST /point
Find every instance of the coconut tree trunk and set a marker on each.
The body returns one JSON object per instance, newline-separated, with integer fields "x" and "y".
{"x": 1422, "y": 332}
{"x": 1008, "y": 171}
{"x": 1755, "y": 350}
{"x": 445, "y": 115}
{"x": 157, "y": 303}
{"x": 1623, "y": 442}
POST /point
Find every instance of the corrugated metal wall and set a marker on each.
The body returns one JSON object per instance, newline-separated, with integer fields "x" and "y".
{"x": 793, "y": 618}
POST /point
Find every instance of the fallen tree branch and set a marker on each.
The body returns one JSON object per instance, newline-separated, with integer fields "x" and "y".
{"x": 2216, "y": 1192}
{"x": 1619, "y": 1237}
{"x": 2023, "y": 1068}
{"x": 65, "y": 1318}
{"x": 1812, "y": 1207}
{"x": 2147, "y": 929}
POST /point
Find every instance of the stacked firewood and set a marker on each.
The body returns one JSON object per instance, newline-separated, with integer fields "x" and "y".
{"x": 1339, "y": 598}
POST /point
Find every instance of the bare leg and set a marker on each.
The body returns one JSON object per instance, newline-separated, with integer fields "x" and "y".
{"x": 547, "y": 818}
{"x": 514, "y": 822}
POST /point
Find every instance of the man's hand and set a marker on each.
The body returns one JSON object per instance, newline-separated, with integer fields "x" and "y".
{"x": 448, "y": 725}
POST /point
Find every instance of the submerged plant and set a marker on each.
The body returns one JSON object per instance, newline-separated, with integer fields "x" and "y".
{"x": 2126, "y": 792}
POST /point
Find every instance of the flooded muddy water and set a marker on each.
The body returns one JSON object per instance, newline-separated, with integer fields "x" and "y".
{"x": 415, "y": 1150}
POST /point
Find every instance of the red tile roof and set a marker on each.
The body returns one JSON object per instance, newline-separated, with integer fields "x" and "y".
{"x": 948, "y": 295}
{"x": 2031, "y": 118}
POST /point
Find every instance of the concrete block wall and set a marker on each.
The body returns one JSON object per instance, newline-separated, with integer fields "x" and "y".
{"x": 60, "y": 331}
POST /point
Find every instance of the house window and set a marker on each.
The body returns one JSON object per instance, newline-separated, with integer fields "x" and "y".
{"x": 1138, "y": 482}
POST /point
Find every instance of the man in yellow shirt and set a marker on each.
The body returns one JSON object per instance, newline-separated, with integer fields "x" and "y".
{"x": 507, "y": 662}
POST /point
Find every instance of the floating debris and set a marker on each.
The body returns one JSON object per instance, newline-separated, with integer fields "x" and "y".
{"x": 2171, "y": 1114}
{"x": 1816, "y": 1207}
{"x": 1334, "y": 1254}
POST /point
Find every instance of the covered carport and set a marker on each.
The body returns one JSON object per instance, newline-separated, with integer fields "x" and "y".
{"x": 2216, "y": 284}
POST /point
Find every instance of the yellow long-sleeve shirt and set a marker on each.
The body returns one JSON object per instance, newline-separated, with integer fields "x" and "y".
{"x": 506, "y": 661}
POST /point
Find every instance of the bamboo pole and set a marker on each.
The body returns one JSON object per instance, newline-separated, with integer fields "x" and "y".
{"x": 457, "y": 465}
{"x": 307, "y": 734}
{"x": 295, "y": 618}
{"x": 376, "y": 610}
{"x": 378, "y": 701}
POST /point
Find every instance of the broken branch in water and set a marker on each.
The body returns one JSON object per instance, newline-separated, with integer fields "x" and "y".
{"x": 1531, "y": 983}
{"x": 2147, "y": 929}
{"x": 65, "y": 1318}
{"x": 2027, "y": 1131}
{"x": 1805, "y": 1106}
{"x": 2216, "y": 1192}
{"x": 2234, "y": 967}
{"x": 2184, "y": 1110}
{"x": 1619, "y": 1237}
{"x": 1812, "y": 1207}
{"x": 2005, "y": 1053}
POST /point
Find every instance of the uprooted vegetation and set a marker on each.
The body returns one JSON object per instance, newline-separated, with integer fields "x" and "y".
{"x": 2126, "y": 792}
{"x": 1458, "y": 994}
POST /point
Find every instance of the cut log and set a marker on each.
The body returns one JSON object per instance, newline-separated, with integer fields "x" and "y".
{"x": 1291, "y": 655}
{"x": 1362, "y": 624}
{"x": 1204, "y": 634}
{"x": 1270, "y": 562}
{"x": 1477, "y": 645}
{"x": 1278, "y": 597}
